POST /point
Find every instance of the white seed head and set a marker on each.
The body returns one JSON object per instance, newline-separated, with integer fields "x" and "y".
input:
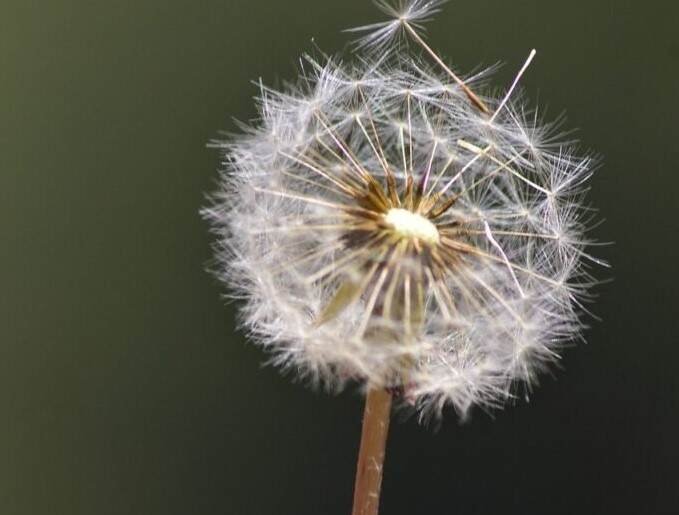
{"x": 387, "y": 224}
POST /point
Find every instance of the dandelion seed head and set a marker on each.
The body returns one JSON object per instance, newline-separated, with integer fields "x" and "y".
{"x": 385, "y": 225}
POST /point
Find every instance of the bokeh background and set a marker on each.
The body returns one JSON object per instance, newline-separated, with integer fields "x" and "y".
{"x": 124, "y": 387}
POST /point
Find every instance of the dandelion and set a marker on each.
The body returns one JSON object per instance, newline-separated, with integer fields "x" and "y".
{"x": 387, "y": 225}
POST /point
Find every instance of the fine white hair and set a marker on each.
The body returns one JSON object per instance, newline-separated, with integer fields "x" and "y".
{"x": 458, "y": 304}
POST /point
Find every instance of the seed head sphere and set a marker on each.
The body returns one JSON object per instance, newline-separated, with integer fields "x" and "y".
{"x": 388, "y": 224}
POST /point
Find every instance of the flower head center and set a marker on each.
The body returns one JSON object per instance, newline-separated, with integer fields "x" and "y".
{"x": 407, "y": 224}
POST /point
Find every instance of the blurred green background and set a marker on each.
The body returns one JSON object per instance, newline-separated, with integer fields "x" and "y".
{"x": 124, "y": 387}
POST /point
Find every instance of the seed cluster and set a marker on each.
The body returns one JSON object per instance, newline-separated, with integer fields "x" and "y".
{"x": 387, "y": 223}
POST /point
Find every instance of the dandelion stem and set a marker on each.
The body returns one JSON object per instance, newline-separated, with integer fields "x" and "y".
{"x": 371, "y": 452}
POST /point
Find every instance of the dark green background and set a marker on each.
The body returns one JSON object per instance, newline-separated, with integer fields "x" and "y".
{"x": 124, "y": 388}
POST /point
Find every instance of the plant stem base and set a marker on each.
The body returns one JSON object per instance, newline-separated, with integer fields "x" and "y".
{"x": 371, "y": 453}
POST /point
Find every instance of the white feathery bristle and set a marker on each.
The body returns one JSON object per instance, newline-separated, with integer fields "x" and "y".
{"x": 385, "y": 223}
{"x": 378, "y": 36}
